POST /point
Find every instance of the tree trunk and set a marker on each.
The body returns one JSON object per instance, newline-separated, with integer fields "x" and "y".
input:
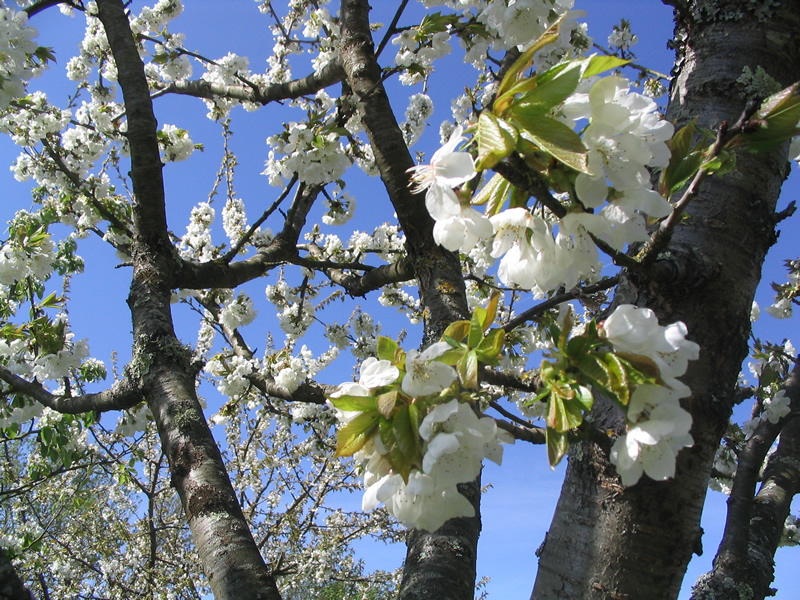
{"x": 442, "y": 564}
{"x": 11, "y": 586}
{"x": 230, "y": 558}
{"x": 610, "y": 542}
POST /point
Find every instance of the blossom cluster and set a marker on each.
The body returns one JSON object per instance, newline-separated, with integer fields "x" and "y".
{"x": 612, "y": 197}
{"x": 452, "y": 438}
{"x": 657, "y": 426}
{"x": 315, "y": 156}
{"x": 16, "y": 48}
{"x": 501, "y": 25}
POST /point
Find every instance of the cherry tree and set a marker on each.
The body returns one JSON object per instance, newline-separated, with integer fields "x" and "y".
{"x": 630, "y": 226}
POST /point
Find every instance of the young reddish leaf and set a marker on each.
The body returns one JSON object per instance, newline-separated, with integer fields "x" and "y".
{"x": 523, "y": 63}
{"x": 556, "y": 417}
{"x": 556, "y": 446}
{"x": 502, "y": 102}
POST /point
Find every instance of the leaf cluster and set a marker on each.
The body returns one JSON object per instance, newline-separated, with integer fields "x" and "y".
{"x": 578, "y": 364}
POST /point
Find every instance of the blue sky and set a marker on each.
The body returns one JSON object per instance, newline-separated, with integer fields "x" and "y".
{"x": 518, "y": 507}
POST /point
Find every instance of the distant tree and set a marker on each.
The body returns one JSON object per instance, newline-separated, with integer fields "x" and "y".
{"x": 553, "y": 162}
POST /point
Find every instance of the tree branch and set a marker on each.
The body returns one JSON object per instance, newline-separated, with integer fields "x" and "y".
{"x": 122, "y": 395}
{"x": 218, "y": 274}
{"x": 748, "y": 523}
{"x": 309, "y": 391}
{"x": 534, "y": 312}
{"x": 329, "y": 75}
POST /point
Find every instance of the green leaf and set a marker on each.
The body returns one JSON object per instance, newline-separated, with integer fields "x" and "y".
{"x": 493, "y": 194}
{"x": 490, "y": 349}
{"x": 414, "y": 415}
{"x": 524, "y": 62}
{"x": 683, "y": 164}
{"x": 556, "y": 139}
{"x": 619, "y": 378}
{"x": 352, "y": 437}
{"x": 640, "y": 369}
{"x": 595, "y": 370}
{"x": 452, "y": 356}
{"x": 387, "y": 348}
{"x": 386, "y": 403}
{"x": 351, "y": 403}
{"x": 467, "y": 369}
{"x": 721, "y": 164}
{"x": 599, "y": 64}
{"x": 406, "y": 435}
{"x": 66, "y": 457}
{"x": 578, "y": 346}
{"x": 52, "y": 301}
{"x": 563, "y": 413}
{"x": 585, "y": 398}
{"x": 47, "y": 434}
{"x": 676, "y": 177}
{"x": 681, "y": 142}
{"x": 491, "y": 310}
{"x": 553, "y": 87}
{"x": 556, "y": 446}
{"x": 781, "y": 114}
{"x": 12, "y": 430}
{"x": 457, "y": 330}
{"x": 496, "y": 140}
{"x": 502, "y": 103}
{"x": 476, "y": 327}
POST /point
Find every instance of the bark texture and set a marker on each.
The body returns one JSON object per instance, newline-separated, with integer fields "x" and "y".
{"x": 229, "y": 556}
{"x": 11, "y": 586}
{"x": 442, "y": 564}
{"x": 610, "y": 542}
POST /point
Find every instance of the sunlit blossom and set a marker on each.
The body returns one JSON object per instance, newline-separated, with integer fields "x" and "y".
{"x": 425, "y": 375}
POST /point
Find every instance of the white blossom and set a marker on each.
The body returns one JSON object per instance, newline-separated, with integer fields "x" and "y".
{"x": 776, "y": 407}
{"x": 780, "y": 309}
{"x": 425, "y": 375}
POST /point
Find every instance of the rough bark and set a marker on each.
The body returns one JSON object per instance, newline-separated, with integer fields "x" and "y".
{"x": 11, "y": 586}
{"x": 228, "y": 553}
{"x": 610, "y": 542}
{"x": 442, "y": 564}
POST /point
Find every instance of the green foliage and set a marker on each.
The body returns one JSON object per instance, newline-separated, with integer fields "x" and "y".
{"x": 579, "y": 363}
{"x": 775, "y": 121}
{"x": 391, "y": 414}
